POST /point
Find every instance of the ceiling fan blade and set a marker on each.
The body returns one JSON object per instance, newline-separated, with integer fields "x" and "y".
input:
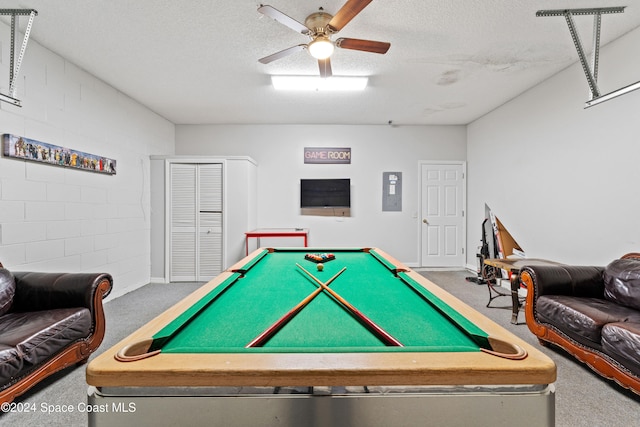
{"x": 364, "y": 45}
{"x": 325, "y": 68}
{"x": 282, "y": 53}
{"x": 274, "y": 13}
{"x": 348, "y": 11}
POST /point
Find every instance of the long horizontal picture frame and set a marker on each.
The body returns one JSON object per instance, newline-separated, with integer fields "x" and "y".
{"x": 22, "y": 148}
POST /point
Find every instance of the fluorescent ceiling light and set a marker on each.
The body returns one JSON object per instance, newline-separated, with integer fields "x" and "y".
{"x": 317, "y": 83}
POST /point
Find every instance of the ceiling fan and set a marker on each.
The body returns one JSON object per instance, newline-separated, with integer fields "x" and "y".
{"x": 320, "y": 26}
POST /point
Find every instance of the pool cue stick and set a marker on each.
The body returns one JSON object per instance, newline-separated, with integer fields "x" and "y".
{"x": 261, "y": 339}
{"x": 381, "y": 333}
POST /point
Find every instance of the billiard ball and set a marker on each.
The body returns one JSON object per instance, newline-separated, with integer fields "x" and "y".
{"x": 320, "y": 267}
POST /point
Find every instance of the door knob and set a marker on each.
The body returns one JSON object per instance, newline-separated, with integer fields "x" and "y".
{"x": 425, "y": 221}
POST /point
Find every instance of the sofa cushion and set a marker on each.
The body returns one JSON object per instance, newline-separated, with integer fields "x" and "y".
{"x": 7, "y": 290}
{"x": 622, "y": 282}
{"x": 582, "y": 318}
{"x": 10, "y": 363}
{"x": 39, "y": 334}
{"x": 622, "y": 342}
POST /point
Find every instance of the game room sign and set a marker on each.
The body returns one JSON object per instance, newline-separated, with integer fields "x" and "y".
{"x": 327, "y": 155}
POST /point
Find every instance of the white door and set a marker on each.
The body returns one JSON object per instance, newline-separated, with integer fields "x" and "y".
{"x": 209, "y": 221}
{"x": 195, "y": 218}
{"x": 442, "y": 214}
{"x": 182, "y": 220}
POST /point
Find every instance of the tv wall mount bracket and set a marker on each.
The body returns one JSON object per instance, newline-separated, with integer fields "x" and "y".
{"x": 590, "y": 70}
{"x": 16, "y": 62}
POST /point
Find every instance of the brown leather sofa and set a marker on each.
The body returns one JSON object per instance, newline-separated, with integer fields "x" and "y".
{"x": 591, "y": 312}
{"x": 48, "y": 321}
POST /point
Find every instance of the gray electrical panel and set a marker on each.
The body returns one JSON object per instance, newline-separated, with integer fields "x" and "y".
{"x": 392, "y": 191}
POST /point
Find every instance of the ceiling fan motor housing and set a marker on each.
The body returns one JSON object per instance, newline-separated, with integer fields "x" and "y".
{"x": 318, "y": 23}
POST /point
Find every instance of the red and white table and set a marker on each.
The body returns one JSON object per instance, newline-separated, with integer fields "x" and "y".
{"x": 276, "y": 232}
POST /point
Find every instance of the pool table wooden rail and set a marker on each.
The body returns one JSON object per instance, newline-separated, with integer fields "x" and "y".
{"x": 320, "y": 369}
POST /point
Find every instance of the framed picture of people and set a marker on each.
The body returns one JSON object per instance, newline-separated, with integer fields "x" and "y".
{"x": 19, "y": 147}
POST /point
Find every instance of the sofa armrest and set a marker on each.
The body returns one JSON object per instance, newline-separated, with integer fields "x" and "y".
{"x": 46, "y": 291}
{"x": 631, "y": 255}
{"x": 578, "y": 281}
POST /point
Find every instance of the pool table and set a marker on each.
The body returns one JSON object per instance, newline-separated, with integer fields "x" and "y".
{"x": 362, "y": 340}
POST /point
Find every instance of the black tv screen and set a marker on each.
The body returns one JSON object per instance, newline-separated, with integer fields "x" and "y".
{"x": 325, "y": 193}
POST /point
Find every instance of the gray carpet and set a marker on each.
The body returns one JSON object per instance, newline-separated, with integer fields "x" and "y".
{"x": 582, "y": 397}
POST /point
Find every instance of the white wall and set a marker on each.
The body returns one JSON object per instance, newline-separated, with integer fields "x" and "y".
{"x": 58, "y": 219}
{"x": 563, "y": 179}
{"x": 278, "y": 150}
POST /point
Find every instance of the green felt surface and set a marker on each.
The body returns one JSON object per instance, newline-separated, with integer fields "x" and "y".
{"x": 242, "y": 307}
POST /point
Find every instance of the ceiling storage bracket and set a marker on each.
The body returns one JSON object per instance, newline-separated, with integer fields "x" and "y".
{"x": 14, "y": 65}
{"x": 590, "y": 69}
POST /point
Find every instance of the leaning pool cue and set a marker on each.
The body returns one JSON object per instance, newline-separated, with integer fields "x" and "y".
{"x": 381, "y": 333}
{"x": 261, "y": 339}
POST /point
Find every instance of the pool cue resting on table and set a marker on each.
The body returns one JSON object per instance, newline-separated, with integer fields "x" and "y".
{"x": 381, "y": 333}
{"x": 271, "y": 330}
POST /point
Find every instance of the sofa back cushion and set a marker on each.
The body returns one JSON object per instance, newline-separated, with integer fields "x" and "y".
{"x": 7, "y": 290}
{"x": 622, "y": 282}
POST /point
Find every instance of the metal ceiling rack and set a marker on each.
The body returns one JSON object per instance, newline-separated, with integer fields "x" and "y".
{"x": 590, "y": 70}
{"x": 16, "y": 62}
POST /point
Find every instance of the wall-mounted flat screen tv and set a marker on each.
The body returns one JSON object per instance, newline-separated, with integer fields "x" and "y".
{"x": 325, "y": 193}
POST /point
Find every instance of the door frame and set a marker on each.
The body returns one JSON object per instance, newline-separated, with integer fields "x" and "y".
{"x": 462, "y": 163}
{"x": 167, "y": 205}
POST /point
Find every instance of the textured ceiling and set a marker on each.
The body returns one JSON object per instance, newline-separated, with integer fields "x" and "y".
{"x": 192, "y": 62}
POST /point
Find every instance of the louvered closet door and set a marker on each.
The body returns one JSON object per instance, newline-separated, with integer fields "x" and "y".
{"x": 210, "y": 221}
{"x": 182, "y": 246}
{"x": 196, "y": 222}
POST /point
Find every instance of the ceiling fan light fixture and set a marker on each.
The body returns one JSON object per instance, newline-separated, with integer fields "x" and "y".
{"x": 316, "y": 83}
{"x": 321, "y": 47}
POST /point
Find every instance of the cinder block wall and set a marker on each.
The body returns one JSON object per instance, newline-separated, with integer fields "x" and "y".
{"x": 60, "y": 219}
